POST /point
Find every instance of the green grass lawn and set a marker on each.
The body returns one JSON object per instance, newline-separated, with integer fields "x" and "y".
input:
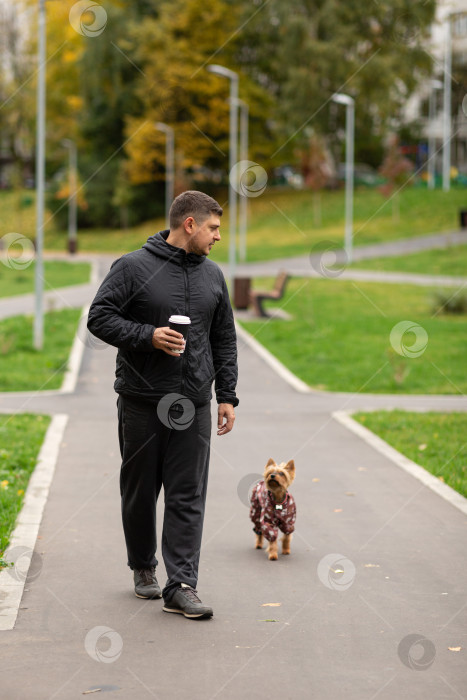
{"x": 446, "y": 261}
{"x": 436, "y": 441}
{"x": 281, "y": 222}
{"x": 338, "y": 339}
{"x": 56, "y": 274}
{"x": 24, "y": 369}
{"x": 21, "y": 437}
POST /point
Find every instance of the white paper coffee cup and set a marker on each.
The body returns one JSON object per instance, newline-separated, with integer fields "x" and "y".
{"x": 180, "y": 324}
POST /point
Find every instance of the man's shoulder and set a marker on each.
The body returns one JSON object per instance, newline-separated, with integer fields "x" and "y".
{"x": 213, "y": 269}
{"x": 132, "y": 259}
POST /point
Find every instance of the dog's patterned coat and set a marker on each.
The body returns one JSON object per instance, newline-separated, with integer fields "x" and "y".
{"x": 267, "y": 518}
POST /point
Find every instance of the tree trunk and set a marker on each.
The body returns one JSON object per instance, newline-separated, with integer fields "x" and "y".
{"x": 396, "y": 209}
{"x": 317, "y": 218}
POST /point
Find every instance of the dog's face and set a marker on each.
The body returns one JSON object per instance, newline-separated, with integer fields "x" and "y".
{"x": 278, "y": 477}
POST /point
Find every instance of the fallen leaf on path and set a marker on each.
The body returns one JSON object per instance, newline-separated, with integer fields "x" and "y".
{"x": 454, "y": 648}
{"x": 315, "y": 479}
{"x": 371, "y": 566}
{"x": 268, "y": 619}
{"x": 256, "y": 646}
{"x": 270, "y": 605}
{"x": 337, "y": 510}
{"x": 362, "y": 469}
{"x": 96, "y": 690}
{"x": 349, "y": 493}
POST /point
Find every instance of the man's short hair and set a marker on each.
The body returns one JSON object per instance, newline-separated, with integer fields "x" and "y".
{"x": 192, "y": 203}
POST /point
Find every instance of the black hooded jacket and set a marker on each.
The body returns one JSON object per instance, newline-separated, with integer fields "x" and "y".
{"x": 141, "y": 291}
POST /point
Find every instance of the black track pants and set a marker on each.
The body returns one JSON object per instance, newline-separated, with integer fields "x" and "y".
{"x": 177, "y": 458}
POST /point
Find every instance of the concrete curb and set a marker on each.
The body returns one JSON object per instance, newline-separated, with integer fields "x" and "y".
{"x": 20, "y": 551}
{"x": 273, "y": 362}
{"x": 74, "y": 363}
{"x": 24, "y": 536}
{"x": 412, "y": 468}
{"x": 76, "y": 355}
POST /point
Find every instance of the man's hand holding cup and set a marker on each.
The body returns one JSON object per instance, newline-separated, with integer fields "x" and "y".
{"x": 172, "y": 338}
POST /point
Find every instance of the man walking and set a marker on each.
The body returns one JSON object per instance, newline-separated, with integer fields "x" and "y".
{"x": 164, "y": 386}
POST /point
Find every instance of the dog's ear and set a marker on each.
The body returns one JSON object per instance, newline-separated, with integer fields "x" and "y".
{"x": 290, "y": 468}
{"x": 270, "y": 462}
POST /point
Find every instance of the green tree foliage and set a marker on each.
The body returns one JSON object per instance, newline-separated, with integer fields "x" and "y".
{"x": 305, "y": 50}
{"x": 174, "y": 51}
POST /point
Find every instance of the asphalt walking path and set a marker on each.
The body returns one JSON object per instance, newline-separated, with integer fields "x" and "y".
{"x": 377, "y": 564}
{"x": 314, "y": 265}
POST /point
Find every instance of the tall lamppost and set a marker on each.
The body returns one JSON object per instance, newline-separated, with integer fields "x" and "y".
{"x": 243, "y": 207}
{"x": 40, "y": 181}
{"x": 72, "y": 202}
{"x": 233, "y": 131}
{"x": 349, "y": 103}
{"x": 434, "y": 85}
{"x": 169, "y": 166}
{"x": 447, "y": 108}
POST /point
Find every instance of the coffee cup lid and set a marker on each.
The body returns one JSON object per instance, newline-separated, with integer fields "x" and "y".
{"x": 182, "y": 320}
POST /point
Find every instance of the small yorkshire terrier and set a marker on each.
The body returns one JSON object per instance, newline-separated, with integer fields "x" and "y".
{"x": 273, "y": 508}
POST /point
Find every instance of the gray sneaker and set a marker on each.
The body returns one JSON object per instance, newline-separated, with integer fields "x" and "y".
{"x": 185, "y": 601}
{"x": 146, "y": 585}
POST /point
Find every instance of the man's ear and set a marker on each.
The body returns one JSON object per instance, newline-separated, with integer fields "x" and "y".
{"x": 188, "y": 224}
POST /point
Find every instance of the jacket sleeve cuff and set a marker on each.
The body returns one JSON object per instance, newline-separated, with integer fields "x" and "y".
{"x": 228, "y": 399}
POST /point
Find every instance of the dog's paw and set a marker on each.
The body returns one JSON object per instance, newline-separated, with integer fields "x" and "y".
{"x": 286, "y": 544}
{"x": 272, "y": 551}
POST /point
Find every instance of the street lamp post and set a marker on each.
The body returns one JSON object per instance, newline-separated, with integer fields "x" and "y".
{"x": 349, "y": 103}
{"x": 233, "y": 131}
{"x": 169, "y": 166}
{"x": 447, "y": 108}
{"x": 72, "y": 203}
{"x": 40, "y": 181}
{"x": 243, "y": 205}
{"x": 434, "y": 85}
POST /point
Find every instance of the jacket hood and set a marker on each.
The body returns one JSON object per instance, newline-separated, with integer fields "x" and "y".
{"x": 158, "y": 245}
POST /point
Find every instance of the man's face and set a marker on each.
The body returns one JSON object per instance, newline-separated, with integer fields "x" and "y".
{"x": 204, "y": 235}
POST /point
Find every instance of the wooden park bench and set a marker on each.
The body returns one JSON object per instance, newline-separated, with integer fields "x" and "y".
{"x": 257, "y": 297}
